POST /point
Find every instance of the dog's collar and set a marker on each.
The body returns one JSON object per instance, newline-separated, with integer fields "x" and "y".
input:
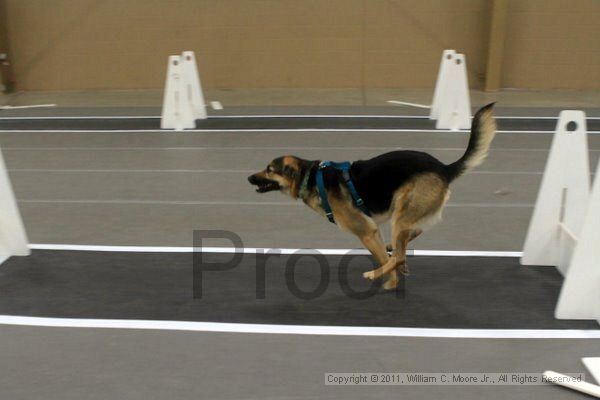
{"x": 304, "y": 185}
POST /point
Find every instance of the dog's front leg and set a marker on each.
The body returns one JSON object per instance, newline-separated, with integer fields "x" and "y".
{"x": 351, "y": 219}
{"x": 389, "y": 266}
{"x": 373, "y": 242}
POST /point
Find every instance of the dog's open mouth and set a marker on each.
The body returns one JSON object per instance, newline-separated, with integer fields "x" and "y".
{"x": 267, "y": 186}
{"x": 263, "y": 184}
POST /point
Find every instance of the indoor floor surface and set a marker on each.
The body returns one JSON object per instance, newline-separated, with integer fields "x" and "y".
{"x": 109, "y": 186}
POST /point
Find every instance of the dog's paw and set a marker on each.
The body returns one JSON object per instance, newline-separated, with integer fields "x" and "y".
{"x": 369, "y": 275}
{"x": 403, "y": 269}
{"x": 391, "y": 284}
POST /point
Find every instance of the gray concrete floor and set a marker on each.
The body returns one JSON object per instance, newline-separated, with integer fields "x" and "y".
{"x": 64, "y": 364}
{"x": 155, "y": 188}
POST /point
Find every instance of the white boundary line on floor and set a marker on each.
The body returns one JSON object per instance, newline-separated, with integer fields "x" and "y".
{"x": 226, "y": 171}
{"x": 237, "y": 203}
{"x": 300, "y": 329}
{"x": 278, "y": 148}
{"x": 264, "y": 250}
{"x": 9, "y": 107}
{"x": 83, "y": 117}
{"x": 172, "y": 132}
{"x": 248, "y": 116}
{"x": 179, "y": 171}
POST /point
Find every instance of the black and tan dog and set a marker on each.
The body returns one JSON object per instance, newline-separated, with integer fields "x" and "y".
{"x": 408, "y": 187}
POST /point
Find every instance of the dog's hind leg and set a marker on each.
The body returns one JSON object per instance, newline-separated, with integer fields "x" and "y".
{"x": 415, "y": 233}
{"x": 414, "y": 204}
{"x": 398, "y": 259}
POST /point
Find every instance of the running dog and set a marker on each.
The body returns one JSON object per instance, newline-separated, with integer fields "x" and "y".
{"x": 410, "y": 188}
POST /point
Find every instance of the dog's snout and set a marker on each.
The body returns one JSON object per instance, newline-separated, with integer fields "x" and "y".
{"x": 252, "y": 179}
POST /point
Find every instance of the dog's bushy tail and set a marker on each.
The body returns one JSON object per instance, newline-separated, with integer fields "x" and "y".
{"x": 483, "y": 130}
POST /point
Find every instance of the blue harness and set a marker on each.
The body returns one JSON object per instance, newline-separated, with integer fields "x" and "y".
{"x": 344, "y": 168}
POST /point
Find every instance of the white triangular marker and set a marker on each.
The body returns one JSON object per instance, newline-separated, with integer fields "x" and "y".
{"x": 440, "y": 92}
{"x": 573, "y": 384}
{"x": 193, "y": 86}
{"x": 13, "y": 239}
{"x": 176, "y": 111}
{"x": 580, "y": 294}
{"x": 567, "y": 170}
{"x": 593, "y": 365}
{"x": 454, "y": 110}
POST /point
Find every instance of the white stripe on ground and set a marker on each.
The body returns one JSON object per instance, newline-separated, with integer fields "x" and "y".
{"x": 9, "y": 107}
{"x": 405, "y": 103}
{"x": 247, "y": 116}
{"x": 194, "y": 171}
{"x": 301, "y": 329}
{"x": 185, "y": 148}
{"x": 237, "y": 203}
{"x": 159, "y": 202}
{"x": 83, "y": 117}
{"x": 236, "y": 148}
{"x": 254, "y": 250}
{"x": 171, "y": 132}
{"x": 227, "y": 171}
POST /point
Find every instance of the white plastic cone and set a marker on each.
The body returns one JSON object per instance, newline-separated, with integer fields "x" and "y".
{"x": 593, "y": 365}
{"x": 177, "y": 112}
{"x": 441, "y": 93}
{"x": 193, "y": 87}
{"x": 13, "y": 239}
{"x": 580, "y": 294}
{"x": 566, "y": 180}
{"x": 454, "y": 110}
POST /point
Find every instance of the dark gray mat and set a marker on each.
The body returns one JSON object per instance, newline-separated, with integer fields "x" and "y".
{"x": 253, "y": 123}
{"x": 441, "y": 292}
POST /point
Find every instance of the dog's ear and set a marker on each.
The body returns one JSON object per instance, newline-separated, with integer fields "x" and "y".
{"x": 293, "y": 174}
